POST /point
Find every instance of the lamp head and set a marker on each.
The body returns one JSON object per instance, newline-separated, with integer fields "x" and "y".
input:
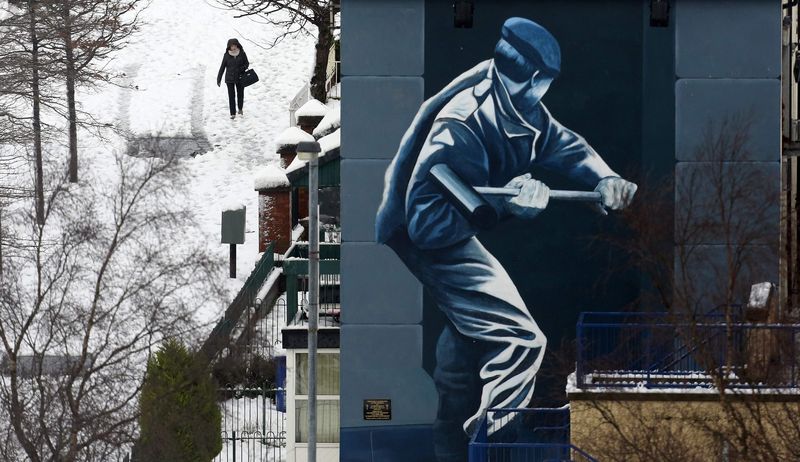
{"x": 306, "y": 150}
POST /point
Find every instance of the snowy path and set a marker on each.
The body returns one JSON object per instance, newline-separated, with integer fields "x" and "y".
{"x": 174, "y": 62}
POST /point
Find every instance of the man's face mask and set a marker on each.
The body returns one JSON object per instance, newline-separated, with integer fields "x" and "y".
{"x": 526, "y": 95}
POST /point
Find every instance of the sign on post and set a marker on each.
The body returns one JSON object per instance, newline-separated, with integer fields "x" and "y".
{"x": 233, "y": 221}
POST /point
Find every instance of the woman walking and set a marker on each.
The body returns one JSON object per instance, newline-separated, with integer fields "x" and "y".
{"x": 234, "y": 62}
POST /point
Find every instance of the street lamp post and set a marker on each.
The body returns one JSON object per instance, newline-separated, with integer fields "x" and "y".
{"x": 309, "y": 151}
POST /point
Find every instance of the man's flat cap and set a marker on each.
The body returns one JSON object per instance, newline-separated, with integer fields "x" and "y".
{"x": 533, "y": 42}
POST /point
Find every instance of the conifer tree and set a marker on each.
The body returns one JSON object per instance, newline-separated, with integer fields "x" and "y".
{"x": 180, "y": 420}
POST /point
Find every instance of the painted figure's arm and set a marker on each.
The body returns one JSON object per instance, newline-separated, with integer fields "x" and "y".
{"x": 561, "y": 150}
{"x": 432, "y": 220}
{"x": 564, "y": 151}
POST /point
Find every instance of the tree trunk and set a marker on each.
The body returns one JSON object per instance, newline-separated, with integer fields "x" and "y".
{"x": 37, "y": 124}
{"x": 1, "y": 243}
{"x": 324, "y": 43}
{"x": 73, "y": 118}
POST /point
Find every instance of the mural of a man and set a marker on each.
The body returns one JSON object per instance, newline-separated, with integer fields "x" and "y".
{"x": 491, "y": 128}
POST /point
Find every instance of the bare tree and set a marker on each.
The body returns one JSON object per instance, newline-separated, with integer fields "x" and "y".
{"x": 297, "y": 17}
{"x": 25, "y": 43}
{"x": 88, "y": 32}
{"x": 699, "y": 258}
{"x": 112, "y": 271}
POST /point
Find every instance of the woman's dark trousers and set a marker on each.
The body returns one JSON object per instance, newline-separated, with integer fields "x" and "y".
{"x": 239, "y": 93}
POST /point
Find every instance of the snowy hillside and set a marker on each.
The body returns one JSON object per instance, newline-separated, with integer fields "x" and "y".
{"x": 173, "y": 65}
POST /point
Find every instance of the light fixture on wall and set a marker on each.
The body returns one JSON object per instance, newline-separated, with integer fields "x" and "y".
{"x": 659, "y": 13}
{"x": 462, "y": 13}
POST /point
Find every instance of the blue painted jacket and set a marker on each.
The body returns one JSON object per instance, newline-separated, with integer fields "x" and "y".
{"x": 472, "y": 127}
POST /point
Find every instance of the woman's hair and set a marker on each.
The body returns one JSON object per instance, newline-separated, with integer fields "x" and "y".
{"x": 233, "y": 41}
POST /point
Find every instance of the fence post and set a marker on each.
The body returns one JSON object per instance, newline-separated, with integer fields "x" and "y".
{"x": 794, "y": 357}
{"x": 579, "y": 355}
{"x": 264, "y": 411}
{"x": 291, "y": 297}
{"x": 233, "y": 442}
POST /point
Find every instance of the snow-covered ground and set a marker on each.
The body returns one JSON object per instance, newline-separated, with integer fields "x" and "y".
{"x": 173, "y": 65}
{"x": 260, "y": 431}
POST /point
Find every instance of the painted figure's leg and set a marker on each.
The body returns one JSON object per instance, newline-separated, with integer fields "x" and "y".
{"x": 481, "y": 301}
{"x": 458, "y": 385}
{"x": 477, "y": 295}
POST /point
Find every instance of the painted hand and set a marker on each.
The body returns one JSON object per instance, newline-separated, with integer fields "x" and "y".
{"x": 532, "y": 199}
{"x": 616, "y": 193}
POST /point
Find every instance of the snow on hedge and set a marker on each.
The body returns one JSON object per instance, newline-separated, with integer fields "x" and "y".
{"x": 313, "y": 108}
{"x": 291, "y": 136}
{"x": 270, "y": 177}
{"x": 329, "y": 123}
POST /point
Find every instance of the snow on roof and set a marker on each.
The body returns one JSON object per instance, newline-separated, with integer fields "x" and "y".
{"x": 232, "y": 204}
{"x": 332, "y": 141}
{"x": 326, "y": 143}
{"x": 270, "y": 177}
{"x": 329, "y": 123}
{"x": 296, "y": 164}
{"x": 313, "y": 108}
{"x": 291, "y": 136}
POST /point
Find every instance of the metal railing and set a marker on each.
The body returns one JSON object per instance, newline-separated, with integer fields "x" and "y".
{"x": 253, "y": 429}
{"x": 220, "y": 336}
{"x": 332, "y": 80}
{"x": 302, "y": 97}
{"x": 525, "y": 435}
{"x": 653, "y": 350}
{"x": 295, "y": 269}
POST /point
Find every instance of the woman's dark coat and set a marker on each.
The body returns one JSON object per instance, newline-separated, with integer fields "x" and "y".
{"x": 233, "y": 67}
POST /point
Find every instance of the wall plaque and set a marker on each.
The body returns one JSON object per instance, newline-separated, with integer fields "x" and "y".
{"x": 377, "y": 409}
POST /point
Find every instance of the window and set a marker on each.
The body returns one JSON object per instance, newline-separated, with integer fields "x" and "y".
{"x": 327, "y": 398}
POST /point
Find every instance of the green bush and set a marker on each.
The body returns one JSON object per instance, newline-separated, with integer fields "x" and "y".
{"x": 180, "y": 420}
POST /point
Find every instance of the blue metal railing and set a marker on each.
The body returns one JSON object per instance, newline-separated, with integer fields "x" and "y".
{"x": 525, "y": 435}
{"x": 654, "y": 350}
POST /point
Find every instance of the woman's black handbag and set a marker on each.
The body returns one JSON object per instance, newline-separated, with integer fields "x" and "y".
{"x": 248, "y": 77}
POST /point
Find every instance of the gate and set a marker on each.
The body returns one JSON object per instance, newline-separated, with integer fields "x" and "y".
{"x": 253, "y": 427}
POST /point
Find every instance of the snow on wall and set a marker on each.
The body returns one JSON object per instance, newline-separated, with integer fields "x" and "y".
{"x": 270, "y": 177}
{"x": 291, "y": 136}
{"x": 232, "y": 204}
{"x": 313, "y": 108}
{"x": 759, "y": 295}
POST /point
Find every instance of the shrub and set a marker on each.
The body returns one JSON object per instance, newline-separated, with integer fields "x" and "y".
{"x": 180, "y": 420}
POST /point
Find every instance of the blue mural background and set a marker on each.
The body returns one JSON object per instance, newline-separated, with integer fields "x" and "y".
{"x": 606, "y": 53}
{"x": 635, "y": 92}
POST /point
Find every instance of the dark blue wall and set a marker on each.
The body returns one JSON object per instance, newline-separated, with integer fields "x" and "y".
{"x": 599, "y": 94}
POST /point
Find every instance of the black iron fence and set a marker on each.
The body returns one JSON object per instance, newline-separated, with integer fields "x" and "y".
{"x": 253, "y": 426}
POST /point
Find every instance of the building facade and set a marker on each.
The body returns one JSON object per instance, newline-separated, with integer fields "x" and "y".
{"x": 649, "y": 96}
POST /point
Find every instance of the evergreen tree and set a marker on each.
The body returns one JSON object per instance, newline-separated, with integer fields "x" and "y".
{"x": 180, "y": 420}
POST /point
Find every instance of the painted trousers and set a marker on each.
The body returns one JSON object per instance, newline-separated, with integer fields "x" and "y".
{"x": 492, "y": 331}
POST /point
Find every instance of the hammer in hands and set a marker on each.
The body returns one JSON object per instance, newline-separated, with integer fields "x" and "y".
{"x": 470, "y": 201}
